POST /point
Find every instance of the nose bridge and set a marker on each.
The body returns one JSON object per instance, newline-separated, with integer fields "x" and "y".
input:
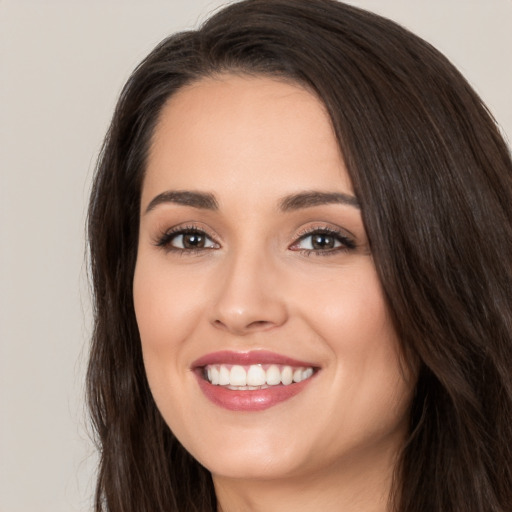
{"x": 248, "y": 298}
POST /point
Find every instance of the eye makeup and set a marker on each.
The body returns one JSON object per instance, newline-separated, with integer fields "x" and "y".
{"x": 321, "y": 240}
{"x": 186, "y": 239}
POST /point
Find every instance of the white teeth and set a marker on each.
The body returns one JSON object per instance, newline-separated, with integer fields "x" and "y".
{"x": 307, "y": 373}
{"x": 237, "y": 376}
{"x": 255, "y": 376}
{"x": 224, "y": 378}
{"x": 214, "y": 375}
{"x": 287, "y": 375}
{"x": 273, "y": 376}
{"x": 246, "y": 388}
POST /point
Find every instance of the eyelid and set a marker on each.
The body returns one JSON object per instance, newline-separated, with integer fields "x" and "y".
{"x": 346, "y": 238}
{"x": 163, "y": 238}
{"x": 315, "y": 227}
{"x": 347, "y": 241}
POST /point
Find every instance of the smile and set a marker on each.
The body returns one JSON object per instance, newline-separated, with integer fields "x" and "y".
{"x": 251, "y": 381}
{"x": 255, "y": 376}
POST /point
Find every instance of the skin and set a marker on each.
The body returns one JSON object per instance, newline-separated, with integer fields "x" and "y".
{"x": 259, "y": 285}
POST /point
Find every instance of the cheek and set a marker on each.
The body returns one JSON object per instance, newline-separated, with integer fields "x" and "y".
{"x": 348, "y": 309}
{"x": 349, "y": 314}
{"x": 166, "y": 309}
{"x": 166, "y": 304}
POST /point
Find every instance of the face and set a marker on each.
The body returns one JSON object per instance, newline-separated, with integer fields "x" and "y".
{"x": 266, "y": 339}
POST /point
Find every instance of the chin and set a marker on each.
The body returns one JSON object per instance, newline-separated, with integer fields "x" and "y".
{"x": 249, "y": 454}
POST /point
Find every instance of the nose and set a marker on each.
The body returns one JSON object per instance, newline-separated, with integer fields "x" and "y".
{"x": 249, "y": 297}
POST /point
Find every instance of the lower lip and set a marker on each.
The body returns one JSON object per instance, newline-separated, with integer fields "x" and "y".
{"x": 250, "y": 400}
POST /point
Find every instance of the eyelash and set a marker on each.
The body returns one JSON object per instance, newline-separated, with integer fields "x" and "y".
{"x": 164, "y": 241}
{"x": 346, "y": 243}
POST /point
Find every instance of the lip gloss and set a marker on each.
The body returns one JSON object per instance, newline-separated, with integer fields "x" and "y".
{"x": 249, "y": 399}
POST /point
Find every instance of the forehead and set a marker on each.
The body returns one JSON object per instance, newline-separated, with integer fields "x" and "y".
{"x": 244, "y": 132}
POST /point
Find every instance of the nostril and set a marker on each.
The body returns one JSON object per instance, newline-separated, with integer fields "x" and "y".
{"x": 218, "y": 323}
{"x": 258, "y": 324}
{"x": 243, "y": 327}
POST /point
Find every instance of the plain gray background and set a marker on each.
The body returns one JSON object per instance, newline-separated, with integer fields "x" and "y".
{"x": 62, "y": 66}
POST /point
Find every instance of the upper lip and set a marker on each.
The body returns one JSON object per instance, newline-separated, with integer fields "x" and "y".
{"x": 248, "y": 358}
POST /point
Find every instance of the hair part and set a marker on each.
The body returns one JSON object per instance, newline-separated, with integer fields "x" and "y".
{"x": 434, "y": 178}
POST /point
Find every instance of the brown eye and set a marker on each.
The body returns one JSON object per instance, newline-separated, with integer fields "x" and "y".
{"x": 193, "y": 240}
{"x": 322, "y": 241}
{"x": 188, "y": 240}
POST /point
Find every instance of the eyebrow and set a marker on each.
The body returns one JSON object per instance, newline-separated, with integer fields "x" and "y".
{"x": 201, "y": 200}
{"x": 314, "y": 198}
{"x": 207, "y": 201}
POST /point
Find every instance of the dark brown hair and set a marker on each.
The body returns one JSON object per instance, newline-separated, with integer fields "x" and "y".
{"x": 434, "y": 179}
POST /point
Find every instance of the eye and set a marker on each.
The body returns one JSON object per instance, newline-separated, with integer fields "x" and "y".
{"x": 191, "y": 240}
{"x": 319, "y": 242}
{"x": 186, "y": 240}
{"x": 323, "y": 241}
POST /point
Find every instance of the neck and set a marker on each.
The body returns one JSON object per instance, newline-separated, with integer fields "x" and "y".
{"x": 351, "y": 486}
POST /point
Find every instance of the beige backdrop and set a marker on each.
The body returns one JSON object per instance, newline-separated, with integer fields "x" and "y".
{"x": 62, "y": 65}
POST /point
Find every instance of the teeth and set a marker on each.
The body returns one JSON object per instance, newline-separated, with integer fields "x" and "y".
{"x": 287, "y": 375}
{"x": 307, "y": 373}
{"x": 273, "y": 376}
{"x": 214, "y": 375}
{"x": 224, "y": 376}
{"x": 237, "y": 376}
{"x": 254, "y": 376}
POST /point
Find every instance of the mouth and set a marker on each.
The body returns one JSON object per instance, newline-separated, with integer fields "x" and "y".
{"x": 255, "y": 376}
{"x": 251, "y": 381}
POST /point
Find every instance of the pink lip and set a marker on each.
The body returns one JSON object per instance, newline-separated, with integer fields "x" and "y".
{"x": 248, "y": 400}
{"x": 247, "y": 358}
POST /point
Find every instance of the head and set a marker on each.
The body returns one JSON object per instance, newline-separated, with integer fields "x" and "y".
{"x": 432, "y": 178}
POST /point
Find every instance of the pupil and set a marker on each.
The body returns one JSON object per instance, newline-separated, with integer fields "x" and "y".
{"x": 323, "y": 242}
{"x": 193, "y": 240}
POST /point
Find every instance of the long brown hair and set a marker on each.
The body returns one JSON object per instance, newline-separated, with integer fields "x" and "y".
{"x": 434, "y": 179}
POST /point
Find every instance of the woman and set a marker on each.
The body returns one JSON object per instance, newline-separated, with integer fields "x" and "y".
{"x": 301, "y": 234}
